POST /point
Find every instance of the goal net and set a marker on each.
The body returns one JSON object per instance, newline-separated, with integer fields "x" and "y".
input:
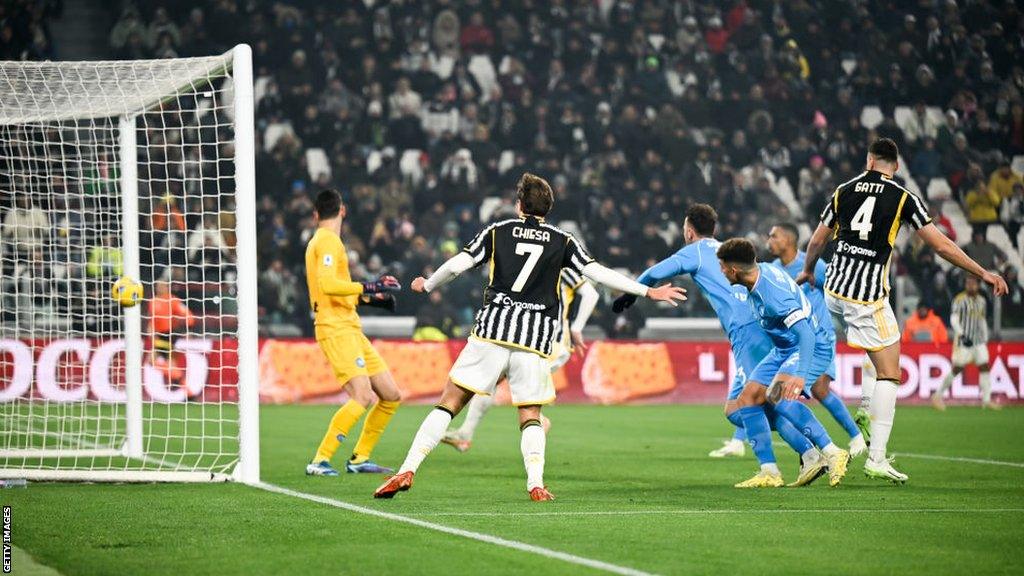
{"x": 141, "y": 169}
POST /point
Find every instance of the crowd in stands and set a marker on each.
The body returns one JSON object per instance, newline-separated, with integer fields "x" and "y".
{"x": 25, "y": 29}
{"x": 425, "y": 113}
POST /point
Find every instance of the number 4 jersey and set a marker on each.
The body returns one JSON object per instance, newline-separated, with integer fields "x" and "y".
{"x": 523, "y": 301}
{"x": 866, "y": 214}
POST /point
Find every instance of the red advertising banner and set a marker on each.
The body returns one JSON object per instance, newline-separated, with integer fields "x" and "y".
{"x": 294, "y": 370}
{"x": 629, "y": 371}
{"x": 76, "y": 369}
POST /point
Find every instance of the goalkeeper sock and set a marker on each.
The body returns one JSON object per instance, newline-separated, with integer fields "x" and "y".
{"x": 532, "y": 446}
{"x": 986, "y": 387}
{"x": 868, "y": 377}
{"x": 838, "y": 410}
{"x": 427, "y": 437}
{"x": 804, "y": 421}
{"x": 739, "y": 434}
{"x": 883, "y": 412}
{"x": 759, "y": 434}
{"x": 376, "y": 421}
{"x": 796, "y": 440}
{"x": 341, "y": 423}
{"x": 478, "y": 406}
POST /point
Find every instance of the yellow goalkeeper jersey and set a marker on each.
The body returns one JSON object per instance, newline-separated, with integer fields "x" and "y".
{"x": 333, "y": 295}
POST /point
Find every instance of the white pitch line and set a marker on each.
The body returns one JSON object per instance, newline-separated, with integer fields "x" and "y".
{"x": 960, "y": 459}
{"x": 697, "y": 512}
{"x": 1009, "y": 463}
{"x": 487, "y": 538}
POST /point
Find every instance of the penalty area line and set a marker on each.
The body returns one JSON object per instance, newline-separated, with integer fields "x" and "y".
{"x": 478, "y": 536}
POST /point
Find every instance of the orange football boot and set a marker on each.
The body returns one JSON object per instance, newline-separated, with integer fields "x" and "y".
{"x": 398, "y": 483}
{"x": 541, "y": 494}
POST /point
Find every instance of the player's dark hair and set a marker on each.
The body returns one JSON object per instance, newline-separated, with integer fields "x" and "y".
{"x": 702, "y": 218}
{"x": 884, "y": 149}
{"x": 328, "y": 203}
{"x": 534, "y": 195}
{"x": 737, "y": 251}
{"x": 790, "y": 228}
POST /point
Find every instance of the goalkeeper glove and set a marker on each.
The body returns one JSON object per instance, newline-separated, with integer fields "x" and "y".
{"x": 386, "y": 283}
{"x": 966, "y": 342}
{"x": 623, "y": 302}
{"x": 378, "y": 300}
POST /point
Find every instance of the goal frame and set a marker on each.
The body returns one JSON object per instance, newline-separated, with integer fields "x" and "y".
{"x": 247, "y": 469}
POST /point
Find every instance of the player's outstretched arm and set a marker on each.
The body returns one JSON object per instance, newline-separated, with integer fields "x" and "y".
{"x": 614, "y": 280}
{"x": 814, "y": 249}
{"x": 670, "y": 267}
{"x": 952, "y": 253}
{"x": 446, "y": 273}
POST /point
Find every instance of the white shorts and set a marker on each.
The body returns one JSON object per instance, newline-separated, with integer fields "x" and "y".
{"x": 482, "y": 364}
{"x": 868, "y": 326}
{"x": 964, "y": 355}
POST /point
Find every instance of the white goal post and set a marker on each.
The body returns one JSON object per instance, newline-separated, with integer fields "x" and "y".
{"x": 144, "y": 169}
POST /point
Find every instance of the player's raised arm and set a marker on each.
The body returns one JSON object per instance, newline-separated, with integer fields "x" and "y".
{"x": 474, "y": 254}
{"x": 819, "y": 239}
{"x": 446, "y": 273}
{"x": 814, "y": 249}
{"x": 612, "y": 279}
{"x": 674, "y": 265}
{"x": 953, "y": 254}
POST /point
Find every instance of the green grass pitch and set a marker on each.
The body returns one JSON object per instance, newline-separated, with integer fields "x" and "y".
{"x": 634, "y": 488}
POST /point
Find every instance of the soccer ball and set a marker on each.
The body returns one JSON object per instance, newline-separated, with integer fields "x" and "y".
{"x": 126, "y": 292}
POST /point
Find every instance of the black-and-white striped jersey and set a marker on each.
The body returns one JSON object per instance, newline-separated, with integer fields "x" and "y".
{"x": 866, "y": 214}
{"x": 523, "y": 304}
{"x": 967, "y": 317}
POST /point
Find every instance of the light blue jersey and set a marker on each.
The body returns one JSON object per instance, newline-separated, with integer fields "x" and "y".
{"x": 802, "y": 347}
{"x": 700, "y": 260}
{"x": 815, "y": 295}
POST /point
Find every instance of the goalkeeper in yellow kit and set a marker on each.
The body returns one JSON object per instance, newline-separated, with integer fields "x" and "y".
{"x": 334, "y": 297}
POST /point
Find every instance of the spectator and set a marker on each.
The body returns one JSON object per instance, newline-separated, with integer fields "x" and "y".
{"x": 1012, "y": 214}
{"x": 941, "y": 220}
{"x": 1003, "y": 180}
{"x": 435, "y": 320}
{"x": 404, "y": 101}
{"x": 207, "y": 250}
{"x": 105, "y": 261}
{"x": 26, "y": 226}
{"x": 127, "y": 25}
{"x": 985, "y": 253}
{"x": 982, "y": 207}
{"x": 1013, "y": 302}
{"x": 920, "y": 125}
{"x": 279, "y": 293}
{"x": 815, "y": 187}
{"x": 925, "y": 326}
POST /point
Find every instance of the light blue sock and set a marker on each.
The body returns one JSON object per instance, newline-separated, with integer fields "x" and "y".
{"x": 803, "y": 419}
{"x": 759, "y": 433}
{"x": 838, "y": 410}
{"x": 787, "y": 431}
{"x": 737, "y": 421}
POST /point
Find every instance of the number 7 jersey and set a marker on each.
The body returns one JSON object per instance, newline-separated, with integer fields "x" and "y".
{"x": 866, "y": 214}
{"x": 523, "y": 305}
